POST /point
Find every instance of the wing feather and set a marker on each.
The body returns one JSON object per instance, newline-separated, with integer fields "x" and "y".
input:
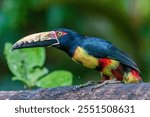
{"x": 104, "y": 49}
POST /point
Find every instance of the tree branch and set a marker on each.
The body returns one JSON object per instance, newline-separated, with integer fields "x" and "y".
{"x": 109, "y": 91}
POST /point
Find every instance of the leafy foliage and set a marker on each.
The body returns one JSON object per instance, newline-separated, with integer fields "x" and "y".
{"x": 56, "y": 78}
{"x": 27, "y": 66}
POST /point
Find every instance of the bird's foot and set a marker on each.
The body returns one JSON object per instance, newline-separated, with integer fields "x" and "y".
{"x": 89, "y": 83}
{"x": 112, "y": 81}
{"x": 141, "y": 81}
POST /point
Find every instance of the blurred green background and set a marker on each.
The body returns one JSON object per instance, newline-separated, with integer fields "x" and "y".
{"x": 126, "y": 23}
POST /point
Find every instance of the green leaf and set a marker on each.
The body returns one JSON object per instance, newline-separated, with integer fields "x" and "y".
{"x": 36, "y": 74}
{"x": 33, "y": 57}
{"x": 26, "y": 64}
{"x": 56, "y": 78}
{"x": 14, "y": 61}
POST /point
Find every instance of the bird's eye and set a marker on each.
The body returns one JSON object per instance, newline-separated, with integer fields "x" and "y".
{"x": 59, "y": 34}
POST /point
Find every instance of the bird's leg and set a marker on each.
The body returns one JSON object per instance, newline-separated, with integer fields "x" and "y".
{"x": 89, "y": 83}
{"x": 85, "y": 85}
{"x": 104, "y": 78}
{"x": 110, "y": 81}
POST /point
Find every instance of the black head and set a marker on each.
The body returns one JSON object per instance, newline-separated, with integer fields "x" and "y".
{"x": 60, "y": 38}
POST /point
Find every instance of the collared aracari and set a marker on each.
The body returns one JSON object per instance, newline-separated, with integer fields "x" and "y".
{"x": 91, "y": 52}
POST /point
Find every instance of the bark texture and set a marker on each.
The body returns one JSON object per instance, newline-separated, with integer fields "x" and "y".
{"x": 118, "y": 91}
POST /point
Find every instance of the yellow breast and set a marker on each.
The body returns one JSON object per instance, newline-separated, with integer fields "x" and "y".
{"x": 81, "y": 56}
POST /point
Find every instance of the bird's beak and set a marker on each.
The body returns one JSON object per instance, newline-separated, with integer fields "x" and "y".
{"x": 37, "y": 40}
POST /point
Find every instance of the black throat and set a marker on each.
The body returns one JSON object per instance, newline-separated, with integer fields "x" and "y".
{"x": 70, "y": 44}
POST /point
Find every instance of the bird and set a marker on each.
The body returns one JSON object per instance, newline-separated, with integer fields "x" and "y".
{"x": 91, "y": 52}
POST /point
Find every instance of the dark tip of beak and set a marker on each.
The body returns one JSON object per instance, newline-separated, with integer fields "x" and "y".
{"x": 20, "y": 45}
{"x": 14, "y": 47}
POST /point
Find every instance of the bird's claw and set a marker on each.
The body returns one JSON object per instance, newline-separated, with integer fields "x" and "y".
{"x": 112, "y": 81}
